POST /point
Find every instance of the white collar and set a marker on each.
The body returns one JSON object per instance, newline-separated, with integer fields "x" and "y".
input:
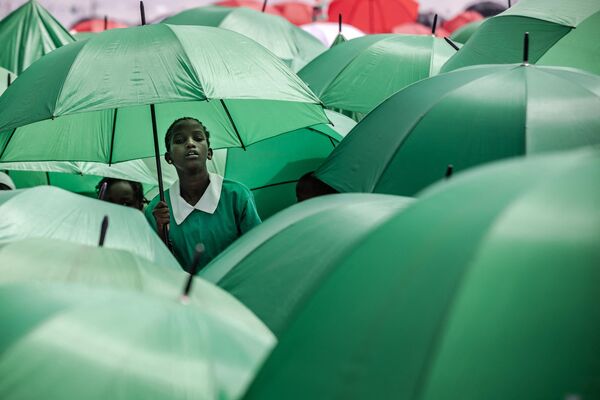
{"x": 208, "y": 202}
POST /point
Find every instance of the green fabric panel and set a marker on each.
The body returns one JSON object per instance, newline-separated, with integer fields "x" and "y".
{"x": 272, "y": 199}
{"x": 465, "y": 32}
{"x": 499, "y": 40}
{"x": 579, "y": 48}
{"x": 27, "y": 179}
{"x": 470, "y": 276}
{"x": 206, "y": 16}
{"x": 27, "y": 34}
{"x": 567, "y": 13}
{"x": 339, "y": 39}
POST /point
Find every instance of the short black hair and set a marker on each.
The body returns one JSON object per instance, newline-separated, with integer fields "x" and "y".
{"x": 169, "y": 134}
{"x": 138, "y": 189}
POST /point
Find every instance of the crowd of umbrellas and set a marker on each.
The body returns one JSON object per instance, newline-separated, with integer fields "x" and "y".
{"x": 451, "y": 250}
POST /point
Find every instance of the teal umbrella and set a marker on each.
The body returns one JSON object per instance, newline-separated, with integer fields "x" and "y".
{"x": 49, "y": 212}
{"x": 151, "y": 75}
{"x": 276, "y": 267}
{"x": 27, "y": 34}
{"x": 562, "y": 33}
{"x": 51, "y": 260}
{"x": 465, "y": 32}
{"x": 287, "y": 41}
{"x": 70, "y": 341}
{"x": 358, "y": 75}
{"x": 463, "y": 119}
{"x": 485, "y": 288}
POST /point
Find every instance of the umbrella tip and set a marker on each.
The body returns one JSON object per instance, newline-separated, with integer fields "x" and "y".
{"x": 198, "y": 250}
{"x": 142, "y": 13}
{"x": 105, "y": 22}
{"x": 103, "y": 229}
{"x": 434, "y": 25}
{"x": 451, "y": 43}
{"x": 449, "y": 171}
{"x": 340, "y": 23}
{"x": 526, "y": 49}
{"x": 264, "y": 6}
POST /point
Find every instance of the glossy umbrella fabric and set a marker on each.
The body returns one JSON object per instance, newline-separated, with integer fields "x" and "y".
{"x": 374, "y": 16}
{"x": 465, "y": 118}
{"x": 288, "y": 42}
{"x": 70, "y": 341}
{"x": 561, "y": 33}
{"x": 239, "y": 90}
{"x": 27, "y": 34}
{"x": 464, "y": 33}
{"x": 486, "y": 286}
{"x": 51, "y": 260}
{"x": 50, "y": 212}
{"x": 276, "y": 268}
{"x": 358, "y": 75}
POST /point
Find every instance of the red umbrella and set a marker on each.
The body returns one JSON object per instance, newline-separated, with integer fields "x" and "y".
{"x": 96, "y": 25}
{"x": 419, "y": 29}
{"x": 462, "y": 19}
{"x": 295, "y": 12}
{"x": 375, "y": 16}
{"x": 256, "y": 5}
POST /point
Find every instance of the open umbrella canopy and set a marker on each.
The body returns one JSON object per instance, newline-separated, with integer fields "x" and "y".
{"x": 327, "y": 32}
{"x": 562, "y": 33}
{"x": 487, "y": 286}
{"x": 465, "y": 118}
{"x": 276, "y": 267}
{"x": 272, "y": 167}
{"x": 464, "y": 33}
{"x": 241, "y": 92}
{"x": 288, "y": 42}
{"x": 52, "y": 260}
{"x": 27, "y": 34}
{"x": 49, "y": 212}
{"x": 70, "y": 341}
{"x": 374, "y": 16}
{"x": 358, "y": 75}
{"x": 96, "y": 25}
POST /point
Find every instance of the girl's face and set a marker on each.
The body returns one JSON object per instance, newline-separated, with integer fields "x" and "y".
{"x": 122, "y": 193}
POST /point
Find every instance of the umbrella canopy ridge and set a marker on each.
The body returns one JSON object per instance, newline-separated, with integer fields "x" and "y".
{"x": 465, "y": 118}
{"x": 46, "y": 211}
{"x": 358, "y": 75}
{"x": 434, "y": 314}
{"x": 276, "y": 267}
{"x": 564, "y": 31}
{"x": 121, "y": 344}
{"x": 27, "y": 34}
{"x": 288, "y": 42}
{"x": 236, "y": 87}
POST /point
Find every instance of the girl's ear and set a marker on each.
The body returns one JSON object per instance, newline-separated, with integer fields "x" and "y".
{"x": 209, "y": 154}
{"x": 168, "y": 158}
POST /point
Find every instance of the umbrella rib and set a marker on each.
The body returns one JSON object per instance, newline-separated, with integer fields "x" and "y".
{"x": 232, "y": 123}
{"x": 112, "y": 139}
{"x": 274, "y": 184}
{"x": 8, "y": 142}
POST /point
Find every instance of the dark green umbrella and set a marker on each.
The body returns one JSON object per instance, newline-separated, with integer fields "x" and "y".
{"x": 563, "y": 33}
{"x": 74, "y": 342}
{"x": 287, "y": 41}
{"x": 357, "y": 75}
{"x": 275, "y": 268}
{"x": 484, "y": 288}
{"x": 27, "y": 34}
{"x": 465, "y": 118}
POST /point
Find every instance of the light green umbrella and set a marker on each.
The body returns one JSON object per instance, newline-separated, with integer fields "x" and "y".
{"x": 271, "y": 168}
{"x": 70, "y": 341}
{"x": 287, "y": 41}
{"x": 27, "y": 34}
{"x": 49, "y": 212}
{"x": 465, "y": 118}
{"x": 52, "y": 260}
{"x": 465, "y": 32}
{"x": 243, "y": 94}
{"x": 358, "y": 75}
{"x": 276, "y": 267}
{"x": 562, "y": 33}
{"x": 485, "y": 288}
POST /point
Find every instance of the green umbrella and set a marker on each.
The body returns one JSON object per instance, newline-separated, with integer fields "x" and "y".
{"x": 287, "y": 41}
{"x": 5, "y": 79}
{"x": 272, "y": 167}
{"x": 74, "y": 342}
{"x": 465, "y": 118}
{"x": 339, "y": 39}
{"x": 465, "y": 32}
{"x": 51, "y": 260}
{"x": 27, "y": 34}
{"x": 241, "y": 92}
{"x": 485, "y": 288}
{"x": 562, "y": 33}
{"x": 49, "y": 212}
{"x": 358, "y": 75}
{"x": 276, "y": 267}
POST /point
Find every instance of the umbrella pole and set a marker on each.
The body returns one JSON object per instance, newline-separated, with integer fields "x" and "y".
{"x": 526, "y": 49}
{"x": 340, "y": 24}
{"x": 451, "y": 43}
{"x": 233, "y": 124}
{"x": 103, "y": 230}
{"x": 105, "y": 22}
{"x": 264, "y": 6}
{"x": 449, "y": 171}
{"x": 434, "y": 26}
{"x": 8, "y": 82}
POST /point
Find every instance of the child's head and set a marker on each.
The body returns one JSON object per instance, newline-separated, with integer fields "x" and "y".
{"x": 188, "y": 144}
{"x": 121, "y": 191}
{"x": 310, "y": 186}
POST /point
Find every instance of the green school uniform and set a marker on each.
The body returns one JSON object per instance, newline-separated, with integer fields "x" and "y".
{"x": 225, "y": 212}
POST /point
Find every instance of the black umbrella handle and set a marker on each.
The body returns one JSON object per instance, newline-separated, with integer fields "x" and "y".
{"x": 103, "y": 230}
{"x": 193, "y": 270}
